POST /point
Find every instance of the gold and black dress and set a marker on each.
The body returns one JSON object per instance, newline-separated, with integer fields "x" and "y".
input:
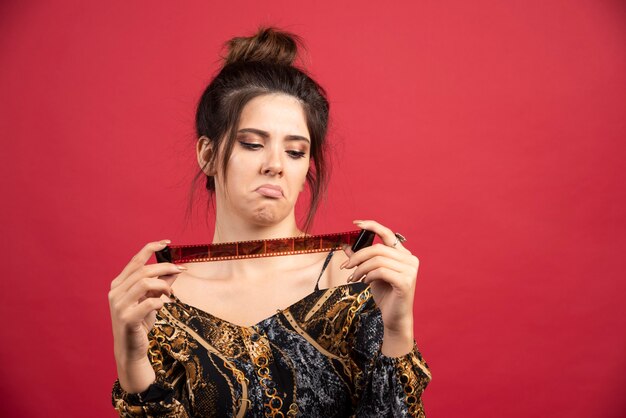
{"x": 320, "y": 357}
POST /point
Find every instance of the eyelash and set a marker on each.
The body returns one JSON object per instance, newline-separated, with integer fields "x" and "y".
{"x": 293, "y": 154}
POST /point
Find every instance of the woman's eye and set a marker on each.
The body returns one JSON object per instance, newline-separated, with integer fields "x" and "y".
{"x": 250, "y": 145}
{"x": 296, "y": 154}
{"x": 254, "y": 146}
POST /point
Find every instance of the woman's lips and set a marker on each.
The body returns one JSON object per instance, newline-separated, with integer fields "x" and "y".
{"x": 270, "y": 191}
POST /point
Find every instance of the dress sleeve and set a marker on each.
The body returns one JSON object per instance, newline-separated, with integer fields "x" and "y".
{"x": 384, "y": 386}
{"x": 166, "y": 397}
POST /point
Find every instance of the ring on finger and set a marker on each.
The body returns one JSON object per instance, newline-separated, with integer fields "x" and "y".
{"x": 399, "y": 238}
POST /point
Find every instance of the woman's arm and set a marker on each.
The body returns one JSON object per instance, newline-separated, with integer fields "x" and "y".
{"x": 165, "y": 395}
{"x": 390, "y": 373}
{"x": 384, "y": 385}
{"x": 136, "y": 295}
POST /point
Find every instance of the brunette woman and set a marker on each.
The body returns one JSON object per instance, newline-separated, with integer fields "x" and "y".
{"x": 313, "y": 335}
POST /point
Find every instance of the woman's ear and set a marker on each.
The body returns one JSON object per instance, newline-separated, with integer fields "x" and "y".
{"x": 204, "y": 151}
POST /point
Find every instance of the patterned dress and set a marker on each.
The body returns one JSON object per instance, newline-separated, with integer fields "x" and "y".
{"x": 320, "y": 357}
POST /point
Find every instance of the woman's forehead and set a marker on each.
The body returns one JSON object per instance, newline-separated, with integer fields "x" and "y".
{"x": 276, "y": 114}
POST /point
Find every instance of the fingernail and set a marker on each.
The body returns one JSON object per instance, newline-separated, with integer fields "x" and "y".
{"x": 165, "y": 241}
{"x": 181, "y": 267}
{"x": 357, "y": 221}
{"x": 344, "y": 264}
{"x": 350, "y": 278}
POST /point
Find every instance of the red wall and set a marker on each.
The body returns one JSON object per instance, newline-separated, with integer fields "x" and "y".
{"x": 490, "y": 133}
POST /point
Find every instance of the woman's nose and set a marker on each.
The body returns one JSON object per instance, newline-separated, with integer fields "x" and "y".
{"x": 272, "y": 165}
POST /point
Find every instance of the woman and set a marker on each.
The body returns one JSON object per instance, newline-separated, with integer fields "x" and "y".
{"x": 262, "y": 336}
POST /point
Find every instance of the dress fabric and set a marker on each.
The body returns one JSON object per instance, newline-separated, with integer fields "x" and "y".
{"x": 320, "y": 357}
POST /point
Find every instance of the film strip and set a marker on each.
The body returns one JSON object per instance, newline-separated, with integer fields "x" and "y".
{"x": 261, "y": 248}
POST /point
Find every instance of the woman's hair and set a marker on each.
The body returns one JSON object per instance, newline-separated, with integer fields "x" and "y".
{"x": 255, "y": 66}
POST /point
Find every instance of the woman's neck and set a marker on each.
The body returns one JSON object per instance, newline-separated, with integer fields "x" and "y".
{"x": 228, "y": 229}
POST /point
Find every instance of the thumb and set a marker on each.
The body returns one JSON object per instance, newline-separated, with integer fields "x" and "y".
{"x": 347, "y": 249}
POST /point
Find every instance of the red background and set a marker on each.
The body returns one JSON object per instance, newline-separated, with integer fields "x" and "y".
{"x": 490, "y": 133}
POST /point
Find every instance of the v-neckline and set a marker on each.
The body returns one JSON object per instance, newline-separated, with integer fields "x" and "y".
{"x": 256, "y": 325}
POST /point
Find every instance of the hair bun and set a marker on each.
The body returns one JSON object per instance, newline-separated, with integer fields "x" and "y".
{"x": 267, "y": 45}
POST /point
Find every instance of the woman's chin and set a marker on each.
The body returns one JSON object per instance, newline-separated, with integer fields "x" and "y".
{"x": 267, "y": 216}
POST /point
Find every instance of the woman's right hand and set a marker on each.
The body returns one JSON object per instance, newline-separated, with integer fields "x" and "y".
{"x": 134, "y": 299}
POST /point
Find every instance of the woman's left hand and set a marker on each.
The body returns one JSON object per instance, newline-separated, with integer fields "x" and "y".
{"x": 391, "y": 272}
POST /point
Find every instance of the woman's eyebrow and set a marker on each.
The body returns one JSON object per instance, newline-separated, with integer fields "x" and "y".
{"x": 265, "y": 134}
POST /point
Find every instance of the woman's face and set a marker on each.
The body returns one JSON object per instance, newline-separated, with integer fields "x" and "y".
{"x": 269, "y": 162}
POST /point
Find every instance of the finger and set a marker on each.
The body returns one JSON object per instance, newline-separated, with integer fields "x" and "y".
{"x": 139, "y": 312}
{"x": 119, "y": 297}
{"x": 376, "y": 262}
{"x": 169, "y": 278}
{"x": 375, "y": 250}
{"x": 144, "y": 289}
{"x": 386, "y": 235}
{"x": 349, "y": 252}
{"x": 150, "y": 270}
{"x": 389, "y": 276}
{"x": 154, "y": 294}
{"x": 139, "y": 260}
{"x": 347, "y": 249}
